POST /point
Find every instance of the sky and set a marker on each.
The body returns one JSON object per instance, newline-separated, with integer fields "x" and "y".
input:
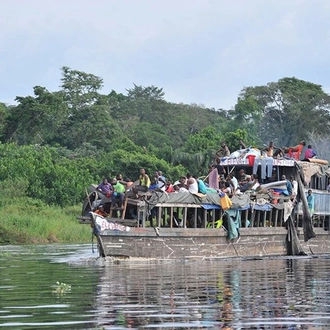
{"x": 199, "y": 51}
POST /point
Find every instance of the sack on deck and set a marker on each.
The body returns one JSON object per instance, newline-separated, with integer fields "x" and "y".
{"x": 225, "y": 202}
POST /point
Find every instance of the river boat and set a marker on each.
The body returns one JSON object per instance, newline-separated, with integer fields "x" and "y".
{"x": 259, "y": 223}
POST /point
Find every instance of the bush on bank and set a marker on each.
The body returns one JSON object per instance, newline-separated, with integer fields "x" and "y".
{"x": 28, "y": 221}
{"x": 40, "y": 186}
{"x": 60, "y": 177}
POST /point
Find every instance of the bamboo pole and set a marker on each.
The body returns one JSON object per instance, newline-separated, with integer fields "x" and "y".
{"x": 307, "y": 220}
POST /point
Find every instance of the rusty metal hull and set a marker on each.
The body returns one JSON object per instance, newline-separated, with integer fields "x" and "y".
{"x": 199, "y": 243}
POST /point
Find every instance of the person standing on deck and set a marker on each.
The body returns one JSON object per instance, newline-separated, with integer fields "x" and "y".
{"x": 294, "y": 184}
{"x": 221, "y": 170}
{"x": 288, "y": 191}
{"x": 310, "y": 202}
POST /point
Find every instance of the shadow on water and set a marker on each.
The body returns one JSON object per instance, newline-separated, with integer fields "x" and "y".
{"x": 106, "y": 294}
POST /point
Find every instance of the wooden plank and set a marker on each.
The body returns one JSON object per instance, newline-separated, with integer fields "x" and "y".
{"x": 126, "y": 222}
{"x": 85, "y": 222}
{"x": 83, "y": 217}
{"x": 180, "y": 205}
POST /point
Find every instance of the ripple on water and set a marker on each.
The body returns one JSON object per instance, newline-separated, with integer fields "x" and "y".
{"x": 278, "y": 293}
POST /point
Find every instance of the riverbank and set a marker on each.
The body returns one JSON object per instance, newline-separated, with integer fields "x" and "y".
{"x": 28, "y": 221}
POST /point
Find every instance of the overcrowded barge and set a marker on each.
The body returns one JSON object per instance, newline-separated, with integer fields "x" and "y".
{"x": 258, "y": 223}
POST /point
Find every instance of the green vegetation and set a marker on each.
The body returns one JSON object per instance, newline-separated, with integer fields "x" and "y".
{"x": 53, "y": 145}
{"x": 26, "y": 221}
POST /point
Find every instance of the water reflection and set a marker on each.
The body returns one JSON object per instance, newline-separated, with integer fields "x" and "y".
{"x": 267, "y": 294}
{"x": 106, "y": 294}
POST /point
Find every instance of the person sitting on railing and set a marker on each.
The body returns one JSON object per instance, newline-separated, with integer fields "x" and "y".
{"x": 309, "y": 153}
{"x": 144, "y": 182}
{"x": 153, "y": 184}
{"x": 223, "y": 151}
{"x": 105, "y": 187}
{"x": 192, "y": 184}
{"x": 272, "y": 151}
{"x": 294, "y": 152}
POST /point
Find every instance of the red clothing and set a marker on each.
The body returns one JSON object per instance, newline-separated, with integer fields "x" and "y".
{"x": 101, "y": 213}
{"x": 170, "y": 189}
{"x": 294, "y": 152}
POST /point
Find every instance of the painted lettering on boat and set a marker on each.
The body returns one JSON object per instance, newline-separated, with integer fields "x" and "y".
{"x": 103, "y": 224}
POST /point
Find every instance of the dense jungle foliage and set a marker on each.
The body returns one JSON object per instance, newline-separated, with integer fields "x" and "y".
{"x": 55, "y": 144}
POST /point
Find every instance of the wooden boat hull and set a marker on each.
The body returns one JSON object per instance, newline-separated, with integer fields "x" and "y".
{"x": 186, "y": 243}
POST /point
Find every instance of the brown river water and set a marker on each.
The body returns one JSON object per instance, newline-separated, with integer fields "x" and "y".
{"x": 280, "y": 293}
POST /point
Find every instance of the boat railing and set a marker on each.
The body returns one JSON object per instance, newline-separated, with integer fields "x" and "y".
{"x": 198, "y": 216}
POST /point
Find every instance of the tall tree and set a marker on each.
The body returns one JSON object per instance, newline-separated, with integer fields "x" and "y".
{"x": 248, "y": 116}
{"x": 290, "y": 109}
{"x": 4, "y": 110}
{"x": 147, "y": 93}
{"x": 320, "y": 143}
{"x": 81, "y": 89}
{"x": 36, "y": 119}
{"x": 89, "y": 119}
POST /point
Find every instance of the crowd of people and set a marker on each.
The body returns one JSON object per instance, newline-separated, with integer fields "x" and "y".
{"x": 117, "y": 187}
{"x": 230, "y": 183}
{"x": 294, "y": 152}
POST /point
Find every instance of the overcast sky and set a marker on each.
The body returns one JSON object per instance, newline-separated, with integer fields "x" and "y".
{"x": 198, "y": 51}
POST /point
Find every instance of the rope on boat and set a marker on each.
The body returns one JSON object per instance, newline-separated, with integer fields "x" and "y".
{"x": 93, "y": 251}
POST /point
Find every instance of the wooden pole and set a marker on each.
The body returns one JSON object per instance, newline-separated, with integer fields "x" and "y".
{"x": 89, "y": 201}
{"x": 307, "y": 221}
